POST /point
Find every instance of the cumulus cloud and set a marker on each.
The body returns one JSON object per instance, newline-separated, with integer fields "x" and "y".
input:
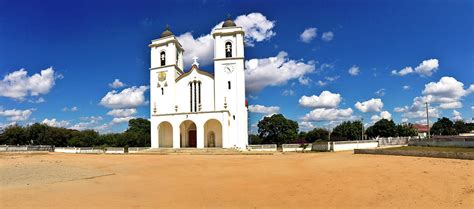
{"x": 306, "y": 126}
{"x": 121, "y": 120}
{"x": 122, "y": 112}
{"x": 406, "y": 87}
{"x": 328, "y": 36}
{"x": 457, "y": 115}
{"x": 116, "y": 84}
{"x": 127, "y": 98}
{"x": 91, "y": 122}
{"x": 325, "y": 100}
{"x": 55, "y": 123}
{"x": 17, "y": 85}
{"x": 256, "y": 26}
{"x": 288, "y": 92}
{"x": 448, "y": 92}
{"x": 354, "y": 70}
{"x": 372, "y": 105}
{"x": 322, "y": 114}
{"x": 383, "y": 115}
{"x": 417, "y": 109}
{"x": 16, "y": 115}
{"x": 274, "y": 71}
{"x": 425, "y": 68}
{"x": 264, "y": 109}
{"x": 308, "y": 35}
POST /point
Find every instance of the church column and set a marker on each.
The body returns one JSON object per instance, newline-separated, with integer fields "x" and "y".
{"x": 199, "y": 135}
{"x": 176, "y": 138}
{"x": 225, "y": 132}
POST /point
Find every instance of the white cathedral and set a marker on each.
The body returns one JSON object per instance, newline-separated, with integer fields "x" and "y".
{"x": 195, "y": 108}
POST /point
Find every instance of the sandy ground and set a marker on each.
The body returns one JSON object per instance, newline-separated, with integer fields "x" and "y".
{"x": 314, "y": 180}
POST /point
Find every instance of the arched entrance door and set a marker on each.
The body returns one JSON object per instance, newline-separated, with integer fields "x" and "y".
{"x": 212, "y": 133}
{"x": 165, "y": 134}
{"x": 188, "y": 134}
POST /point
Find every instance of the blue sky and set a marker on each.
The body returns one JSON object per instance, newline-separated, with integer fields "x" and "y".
{"x": 71, "y": 51}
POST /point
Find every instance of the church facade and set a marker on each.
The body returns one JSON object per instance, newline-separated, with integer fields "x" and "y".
{"x": 194, "y": 108}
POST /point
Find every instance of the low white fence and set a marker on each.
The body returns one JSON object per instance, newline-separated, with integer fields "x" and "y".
{"x": 25, "y": 148}
{"x": 389, "y": 141}
{"x": 262, "y": 147}
{"x": 79, "y": 150}
{"x": 137, "y": 149}
{"x": 344, "y": 145}
{"x": 295, "y": 147}
{"x": 114, "y": 150}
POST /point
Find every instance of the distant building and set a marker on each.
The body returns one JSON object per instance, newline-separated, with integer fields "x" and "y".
{"x": 422, "y": 130}
{"x": 194, "y": 108}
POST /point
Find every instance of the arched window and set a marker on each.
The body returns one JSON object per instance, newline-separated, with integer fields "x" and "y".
{"x": 163, "y": 58}
{"x": 228, "y": 49}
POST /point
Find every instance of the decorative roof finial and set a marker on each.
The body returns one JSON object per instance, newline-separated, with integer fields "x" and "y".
{"x": 167, "y": 27}
{"x": 195, "y": 61}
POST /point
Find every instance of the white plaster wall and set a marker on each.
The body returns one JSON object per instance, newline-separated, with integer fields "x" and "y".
{"x": 354, "y": 145}
{"x": 183, "y": 92}
{"x": 216, "y": 127}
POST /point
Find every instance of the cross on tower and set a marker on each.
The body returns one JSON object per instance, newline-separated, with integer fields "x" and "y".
{"x": 195, "y": 58}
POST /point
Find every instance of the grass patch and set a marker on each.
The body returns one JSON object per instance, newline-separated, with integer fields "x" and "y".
{"x": 437, "y": 149}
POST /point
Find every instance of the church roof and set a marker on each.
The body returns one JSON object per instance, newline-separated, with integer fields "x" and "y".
{"x": 194, "y": 67}
{"x": 229, "y": 23}
{"x": 166, "y": 33}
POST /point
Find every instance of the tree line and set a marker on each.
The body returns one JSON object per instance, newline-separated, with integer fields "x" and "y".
{"x": 277, "y": 129}
{"x": 136, "y": 135}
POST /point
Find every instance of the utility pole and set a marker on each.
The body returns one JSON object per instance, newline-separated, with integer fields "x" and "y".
{"x": 362, "y": 133}
{"x": 427, "y": 119}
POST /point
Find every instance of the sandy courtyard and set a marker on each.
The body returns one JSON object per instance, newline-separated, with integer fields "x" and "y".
{"x": 313, "y": 180}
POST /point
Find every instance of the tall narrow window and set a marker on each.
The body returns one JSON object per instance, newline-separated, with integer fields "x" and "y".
{"x": 228, "y": 49}
{"x": 228, "y": 84}
{"x": 190, "y": 97}
{"x": 199, "y": 85}
{"x": 162, "y": 91}
{"x": 163, "y": 58}
{"x": 195, "y": 106}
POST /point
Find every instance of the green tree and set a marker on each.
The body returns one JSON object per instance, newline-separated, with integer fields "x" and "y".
{"x": 461, "y": 127}
{"x": 317, "y": 134}
{"x": 443, "y": 126}
{"x": 13, "y": 135}
{"x": 382, "y": 128}
{"x": 347, "y": 130}
{"x": 277, "y": 129}
{"x": 138, "y": 132}
{"x": 406, "y": 129}
{"x": 254, "y": 139}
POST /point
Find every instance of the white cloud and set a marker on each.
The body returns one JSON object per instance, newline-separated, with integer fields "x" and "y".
{"x": 256, "y": 26}
{"x": 325, "y": 100}
{"x": 274, "y": 71}
{"x": 328, "y": 36}
{"x": 306, "y": 126}
{"x": 116, "y": 84}
{"x": 16, "y": 115}
{"x": 425, "y": 68}
{"x": 17, "y": 85}
{"x": 417, "y": 109}
{"x": 402, "y": 72}
{"x": 448, "y": 92}
{"x": 55, "y": 123}
{"x": 304, "y": 80}
{"x": 331, "y": 79}
{"x": 72, "y": 109}
{"x": 121, "y": 120}
{"x": 37, "y": 101}
{"x": 406, "y": 87}
{"x": 122, "y": 112}
{"x": 354, "y": 70}
{"x": 372, "y": 105}
{"x": 380, "y": 92}
{"x": 263, "y": 109}
{"x": 322, "y": 83}
{"x": 288, "y": 92}
{"x": 308, "y": 35}
{"x": 383, "y": 115}
{"x": 322, "y": 114}
{"x": 92, "y": 122}
{"x": 127, "y": 98}
{"x": 457, "y": 115}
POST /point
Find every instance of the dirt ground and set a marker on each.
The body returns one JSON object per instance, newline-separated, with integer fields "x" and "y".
{"x": 312, "y": 180}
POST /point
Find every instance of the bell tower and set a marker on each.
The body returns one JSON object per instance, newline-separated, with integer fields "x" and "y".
{"x": 229, "y": 78}
{"x": 166, "y": 65}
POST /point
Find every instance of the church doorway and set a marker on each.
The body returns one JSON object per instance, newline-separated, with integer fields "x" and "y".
{"x": 188, "y": 133}
{"x": 212, "y": 133}
{"x": 165, "y": 134}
